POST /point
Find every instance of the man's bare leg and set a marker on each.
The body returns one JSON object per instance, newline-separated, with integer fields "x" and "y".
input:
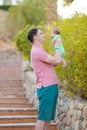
{"x": 47, "y": 126}
{"x": 40, "y": 125}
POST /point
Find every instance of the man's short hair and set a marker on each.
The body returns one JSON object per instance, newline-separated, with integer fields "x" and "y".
{"x": 32, "y": 33}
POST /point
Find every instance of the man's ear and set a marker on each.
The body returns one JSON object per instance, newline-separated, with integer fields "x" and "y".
{"x": 35, "y": 37}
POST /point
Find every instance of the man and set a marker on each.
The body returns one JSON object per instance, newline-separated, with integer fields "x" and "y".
{"x": 46, "y": 79}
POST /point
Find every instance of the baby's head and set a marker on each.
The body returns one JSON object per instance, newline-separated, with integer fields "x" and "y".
{"x": 55, "y": 31}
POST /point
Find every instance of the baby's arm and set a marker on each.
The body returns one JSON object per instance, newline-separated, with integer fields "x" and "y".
{"x": 57, "y": 41}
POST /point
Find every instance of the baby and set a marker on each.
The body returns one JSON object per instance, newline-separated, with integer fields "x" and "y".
{"x": 57, "y": 39}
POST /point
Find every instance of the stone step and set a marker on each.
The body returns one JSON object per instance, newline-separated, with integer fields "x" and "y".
{"x": 9, "y": 74}
{"x": 23, "y": 126}
{"x": 10, "y": 81}
{"x": 12, "y": 88}
{"x": 10, "y": 71}
{"x": 17, "y": 119}
{"x": 12, "y": 96}
{"x": 10, "y": 68}
{"x": 10, "y": 85}
{"x": 8, "y": 101}
{"x": 10, "y": 63}
{"x": 18, "y": 111}
{"x": 13, "y": 105}
{"x": 9, "y": 77}
{"x": 11, "y": 91}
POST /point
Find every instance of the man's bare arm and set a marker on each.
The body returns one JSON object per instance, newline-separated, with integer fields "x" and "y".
{"x": 55, "y": 60}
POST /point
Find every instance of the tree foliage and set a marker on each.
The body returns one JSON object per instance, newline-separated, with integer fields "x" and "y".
{"x": 67, "y": 2}
{"x": 74, "y": 36}
{"x": 51, "y": 10}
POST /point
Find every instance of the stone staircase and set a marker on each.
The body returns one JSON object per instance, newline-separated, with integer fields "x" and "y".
{"x": 15, "y": 111}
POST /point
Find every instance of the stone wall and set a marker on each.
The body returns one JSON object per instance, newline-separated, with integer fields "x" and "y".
{"x": 71, "y": 113}
{"x": 29, "y": 84}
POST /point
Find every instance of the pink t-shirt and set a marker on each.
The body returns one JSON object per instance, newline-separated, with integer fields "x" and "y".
{"x": 45, "y": 75}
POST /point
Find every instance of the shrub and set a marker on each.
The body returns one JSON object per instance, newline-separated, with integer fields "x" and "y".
{"x": 5, "y": 7}
{"x": 21, "y": 41}
{"x": 74, "y": 33}
{"x": 74, "y": 36}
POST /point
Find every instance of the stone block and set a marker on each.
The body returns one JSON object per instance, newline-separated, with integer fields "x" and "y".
{"x": 84, "y": 124}
{"x": 76, "y": 104}
{"x": 75, "y": 114}
{"x": 62, "y": 116}
{"x": 81, "y": 106}
{"x": 85, "y": 112}
{"x": 77, "y": 125}
{"x": 68, "y": 128}
{"x": 79, "y": 115}
{"x": 64, "y": 121}
{"x": 73, "y": 123}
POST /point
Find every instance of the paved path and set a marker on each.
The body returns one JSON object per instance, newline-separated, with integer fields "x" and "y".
{"x": 16, "y": 113}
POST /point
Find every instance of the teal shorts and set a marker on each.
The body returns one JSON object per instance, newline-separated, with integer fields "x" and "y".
{"x": 47, "y": 102}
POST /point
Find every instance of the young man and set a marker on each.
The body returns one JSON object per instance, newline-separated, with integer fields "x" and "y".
{"x": 46, "y": 79}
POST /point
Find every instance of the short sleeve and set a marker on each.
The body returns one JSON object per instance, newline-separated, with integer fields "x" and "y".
{"x": 41, "y": 54}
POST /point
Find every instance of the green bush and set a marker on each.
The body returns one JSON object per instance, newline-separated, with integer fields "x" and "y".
{"x": 22, "y": 42}
{"x": 5, "y": 7}
{"x": 74, "y": 33}
{"x": 74, "y": 36}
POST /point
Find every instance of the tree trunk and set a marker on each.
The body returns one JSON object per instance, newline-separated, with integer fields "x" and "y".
{"x": 51, "y": 10}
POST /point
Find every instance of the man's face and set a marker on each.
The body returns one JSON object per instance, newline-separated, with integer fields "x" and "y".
{"x": 40, "y": 36}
